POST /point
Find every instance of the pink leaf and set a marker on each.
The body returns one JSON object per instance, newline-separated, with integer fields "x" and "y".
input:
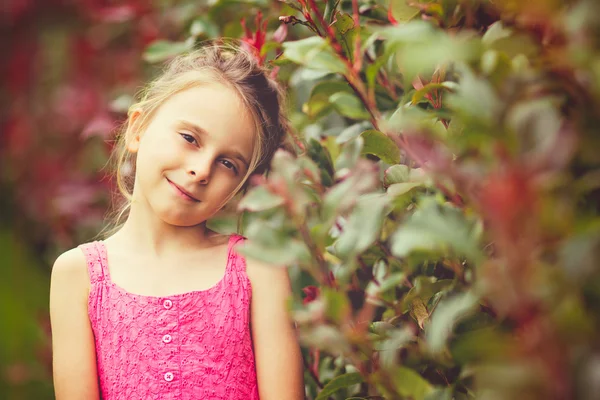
{"x": 101, "y": 125}
{"x": 280, "y": 34}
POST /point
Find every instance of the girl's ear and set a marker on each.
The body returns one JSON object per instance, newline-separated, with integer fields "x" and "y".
{"x": 133, "y": 134}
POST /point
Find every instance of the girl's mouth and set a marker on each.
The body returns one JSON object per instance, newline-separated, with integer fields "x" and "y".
{"x": 182, "y": 192}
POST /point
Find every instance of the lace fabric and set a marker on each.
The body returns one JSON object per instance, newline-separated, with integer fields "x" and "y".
{"x": 194, "y": 345}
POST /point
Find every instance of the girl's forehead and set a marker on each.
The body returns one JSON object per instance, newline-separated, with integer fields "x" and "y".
{"x": 205, "y": 95}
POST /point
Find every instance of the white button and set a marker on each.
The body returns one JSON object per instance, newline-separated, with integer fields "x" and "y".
{"x": 168, "y": 304}
{"x": 169, "y": 376}
{"x": 167, "y": 338}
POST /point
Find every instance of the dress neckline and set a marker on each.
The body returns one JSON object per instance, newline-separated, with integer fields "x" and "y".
{"x": 108, "y": 280}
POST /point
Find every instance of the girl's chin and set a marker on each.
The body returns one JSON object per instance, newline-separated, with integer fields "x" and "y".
{"x": 183, "y": 219}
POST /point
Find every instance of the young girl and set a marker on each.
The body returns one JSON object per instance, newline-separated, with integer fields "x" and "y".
{"x": 164, "y": 308}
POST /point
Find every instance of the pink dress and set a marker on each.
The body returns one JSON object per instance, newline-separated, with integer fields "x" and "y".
{"x": 194, "y": 345}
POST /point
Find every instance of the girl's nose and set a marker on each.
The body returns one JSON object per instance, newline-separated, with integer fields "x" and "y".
{"x": 200, "y": 172}
{"x": 198, "y": 178}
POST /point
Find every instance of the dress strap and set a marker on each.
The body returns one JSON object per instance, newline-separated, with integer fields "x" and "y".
{"x": 238, "y": 261}
{"x": 96, "y": 260}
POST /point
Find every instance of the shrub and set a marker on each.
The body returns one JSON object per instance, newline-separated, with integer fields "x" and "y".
{"x": 443, "y": 215}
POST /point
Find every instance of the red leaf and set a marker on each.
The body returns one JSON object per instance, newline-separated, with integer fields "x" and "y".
{"x": 255, "y": 42}
{"x": 428, "y": 153}
{"x": 75, "y": 198}
{"x": 418, "y": 83}
{"x": 148, "y": 29}
{"x": 101, "y": 125}
{"x": 311, "y": 292}
{"x": 120, "y": 13}
{"x": 20, "y": 66}
{"x": 391, "y": 18}
{"x": 15, "y": 9}
{"x": 280, "y": 34}
{"x": 17, "y": 136}
{"x": 508, "y": 199}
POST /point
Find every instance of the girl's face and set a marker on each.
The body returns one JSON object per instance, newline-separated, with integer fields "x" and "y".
{"x": 193, "y": 154}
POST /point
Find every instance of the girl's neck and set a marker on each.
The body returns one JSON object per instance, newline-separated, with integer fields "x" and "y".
{"x": 145, "y": 233}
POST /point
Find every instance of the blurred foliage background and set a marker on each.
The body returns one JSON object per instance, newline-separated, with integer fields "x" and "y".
{"x": 441, "y": 225}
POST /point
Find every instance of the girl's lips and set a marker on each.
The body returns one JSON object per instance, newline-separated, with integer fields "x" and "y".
{"x": 182, "y": 192}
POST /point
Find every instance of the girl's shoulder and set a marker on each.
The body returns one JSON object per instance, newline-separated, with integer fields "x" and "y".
{"x": 263, "y": 275}
{"x": 70, "y": 271}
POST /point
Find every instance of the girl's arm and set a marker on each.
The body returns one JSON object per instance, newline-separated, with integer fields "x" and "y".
{"x": 279, "y": 366}
{"x": 74, "y": 355}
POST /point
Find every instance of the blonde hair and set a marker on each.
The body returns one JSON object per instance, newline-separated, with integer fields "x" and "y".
{"x": 224, "y": 62}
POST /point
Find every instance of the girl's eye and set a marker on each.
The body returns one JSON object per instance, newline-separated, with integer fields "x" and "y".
{"x": 188, "y": 138}
{"x": 228, "y": 164}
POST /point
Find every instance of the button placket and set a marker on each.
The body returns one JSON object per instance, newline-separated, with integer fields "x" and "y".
{"x": 167, "y": 338}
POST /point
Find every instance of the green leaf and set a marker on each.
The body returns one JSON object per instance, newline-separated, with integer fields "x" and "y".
{"x": 390, "y": 342}
{"x": 475, "y": 98}
{"x": 338, "y": 383}
{"x": 401, "y": 11}
{"x": 411, "y": 118}
{"x": 345, "y": 33}
{"x": 327, "y": 338}
{"x": 330, "y": 9}
{"x": 319, "y": 104}
{"x": 314, "y": 52}
{"x": 419, "y": 94}
{"x": 400, "y": 179}
{"x": 419, "y": 311}
{"x": 352, "y": 132}
{"x": 578, "y": 254}
{"x": 225, "y": 225}
{"x": 411, "y": 384}
{"x": 288, "y": 252}
{"x": 358, "y": 179}
{"x": 504, "y": 40}
{"x": 414, "y": 30}
{"x": 486, "y": 343}
{"x": 337, "y": 305}
{"x": 350, "y": 154}
{"x": 162, "y": 50}
{"x": 293, "y": 4}
{"x": 385, "y": 284}
{"x": 398, "y": 173}
{"x": 445, "y": 316}
{"x": 343, "y": 24}
{"x": 363, "y": 226}
{"x": 342, "y": 196}
{"x": 536, "y": 123}
{"x": 399, "y": 189}
{"x": 425, "y": 288}
{"x": 320, "y": 155}
{"x": 434, "y": 228}
{"x": 373, "y": 69}
{"x": 349, "y": 105}
{"x": 495, "y": 31}
{"x": 260, "y": 199}
{"x": 269, "y": 46}
{"x": 423, "y": 58}
{"x": 381, "y": 146}
{"x": 440, "y": 394}
{"x": 286, "y": 166}
{"x": 419, "y": 48}
{"x": 203, "y": 26}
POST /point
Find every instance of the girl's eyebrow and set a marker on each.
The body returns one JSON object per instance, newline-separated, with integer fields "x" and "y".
{"x": 202, "y": 132}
